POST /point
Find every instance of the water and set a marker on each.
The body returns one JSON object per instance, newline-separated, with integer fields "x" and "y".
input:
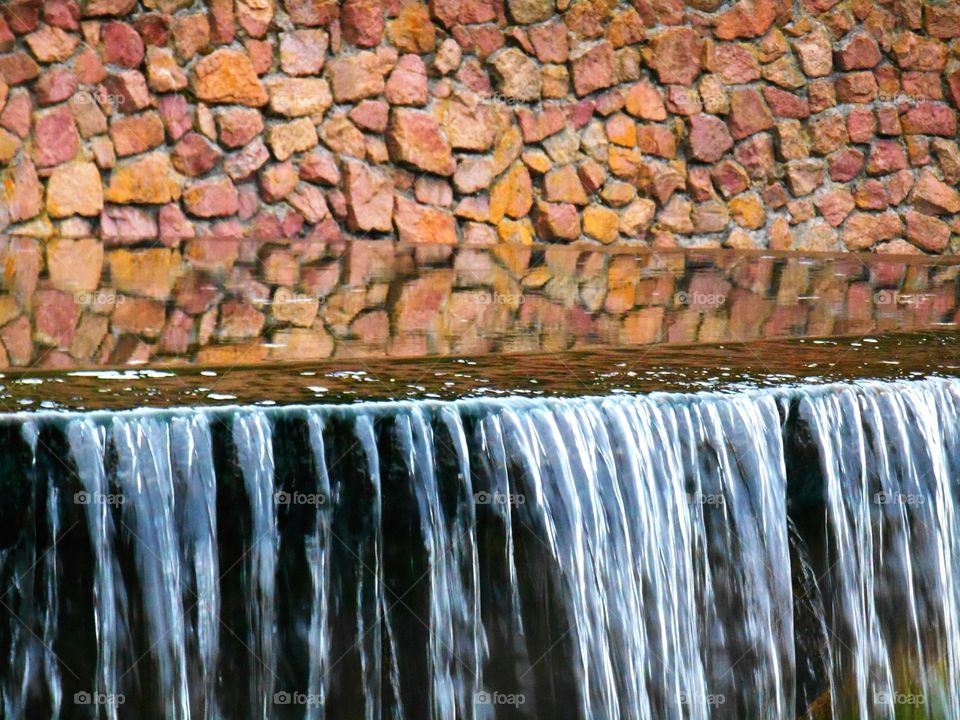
{"x": 770, "y": 554}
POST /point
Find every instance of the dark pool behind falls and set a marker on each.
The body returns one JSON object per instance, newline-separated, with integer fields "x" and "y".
{"x": 769, "y": 554}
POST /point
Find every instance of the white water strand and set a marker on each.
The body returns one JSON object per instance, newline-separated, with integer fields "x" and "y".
{"x": 195, "y": 484}
{"x": 252, "y": 436}
{"x": 88, "y": 447}
{"x": 318, "y": 555}
{"x": 889, "y": 460}
{"x": 145, "y": 480}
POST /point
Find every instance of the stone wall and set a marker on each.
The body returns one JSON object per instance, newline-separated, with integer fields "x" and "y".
{"x": 71, "y": 303}
{"x": 814, "y": 125}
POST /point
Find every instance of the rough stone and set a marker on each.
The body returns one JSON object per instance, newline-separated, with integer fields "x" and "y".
{"x": 710, "y": 139}
{"x": 227, "y": 76}
{"x": 417, "y": 223}
{"x": 676, "y": 54}
{"x": 415, "y": 138}
{"x": 75, "y": 189}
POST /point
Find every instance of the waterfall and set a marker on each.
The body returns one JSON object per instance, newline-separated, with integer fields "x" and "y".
{"x": 769, "y": 554}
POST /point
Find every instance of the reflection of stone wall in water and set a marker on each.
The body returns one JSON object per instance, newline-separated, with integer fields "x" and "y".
{"x": 817, "y": 125}
{"x": 224, "y": 301}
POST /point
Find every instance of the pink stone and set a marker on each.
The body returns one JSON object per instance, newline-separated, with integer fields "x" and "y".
{"x": 746, "y": 19}
{"x": 549, "y": 41}
{"x": 930, "y": 118}
{"x": 557, "y": 221}
{"x": 886, "y": 156}
{"x": 407, "y": 84}
{"x": 64, "y": 14}
{"x": 212, "y": 198}
{"x": 17, "y": 116}
{"x": 55, "y": 316}
{"x": 193, "y": 155}
{"x": 56, "y": 138}
{"x": 51, "y": 44}
{"x": 594, "y": 69}
{"x": 176, "y": 115}
{"x": 858, "y": 87}
{"x": 320, "y": 167}
{"x": 414, "y": 137}
{"x": 656, "y": 140}
{"x": 735, "y": 63}
{"x": 683, "y": 100}
{"x": 536, "y": 126}
{"x": 55, "y": 85}
{"x": 122, "y": 45}
{"x": 18, "y": 68}
{"x": 676, "y": 56}
{"x": 371, "y": 115}
{"x": 757, "y": 156}
{"x": 835, "y": 206}
{"x": 238, "y": 126}
{"x": 785, "y": 104}
{"x": 859, "y": 52}
{"x": 124, "y": 224}
{"x": 369, "y": 196}
{"x": 749, "y": 113}
{"x": 302, "y": 52}
{"x": 128, "y": 91}
{"x": 709, "y": 138}
{"x": 927, "y": 232}
{"x": 309, "y": 201}
{"x": 174, "y": 225}
{"x": 362, "y": 22}
{"x": 861, "y": 125}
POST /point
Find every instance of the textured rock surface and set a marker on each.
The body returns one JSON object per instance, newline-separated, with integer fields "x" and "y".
{"x": 198, "y": 157}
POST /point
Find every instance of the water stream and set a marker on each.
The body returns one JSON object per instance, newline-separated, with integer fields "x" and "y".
{"x": 768, "y": 554}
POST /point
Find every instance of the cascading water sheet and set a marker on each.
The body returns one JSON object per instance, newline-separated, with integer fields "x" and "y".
{"x": 769, "y": 554}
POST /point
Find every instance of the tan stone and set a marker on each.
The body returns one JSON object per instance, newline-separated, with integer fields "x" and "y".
{"x": 298, "y": 344}
{"x": 601, "y": 223}
{"x": 286, "y": 139}
{"x": 227, "y": 76}
{"x": 296, "y": 97}
{"x": 294, "y": 308}
{"x": 149, "y": 273}
{"x": 75, "y": 189}
{"x": 148, "y": 180}
{"x": 512, "y": 194}
{"x": 75, "y": 265}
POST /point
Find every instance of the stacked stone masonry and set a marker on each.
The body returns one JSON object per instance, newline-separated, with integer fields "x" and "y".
{"x": 809, "y": 125}
{"x": 199, "y": 159}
